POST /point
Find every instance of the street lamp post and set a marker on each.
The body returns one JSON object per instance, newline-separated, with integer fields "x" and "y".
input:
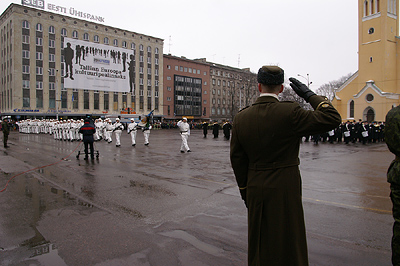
{"x": 57, "y": 94}
{"x": 306, "y": 78}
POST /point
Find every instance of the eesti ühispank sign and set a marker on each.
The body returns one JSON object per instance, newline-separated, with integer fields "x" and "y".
{"x": 71, "y": 11}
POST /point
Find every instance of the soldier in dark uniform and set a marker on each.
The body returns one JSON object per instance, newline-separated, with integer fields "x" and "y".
{"x": 215, "y": 129}
{"x": 364, "y": 132}
{"x": 6, "y": 131}
{"x": 205, "y": 128}
{"x": 227, "y": 130}
{"x": 264, "y": 156}
{"x": 87, "y": 130}
{"x": 392, "y": 138}
{"x": 346, "y": 129}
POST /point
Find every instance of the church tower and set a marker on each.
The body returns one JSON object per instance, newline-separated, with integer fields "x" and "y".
{"x": 375, "y": 88}
{"x": 378, "y": 28}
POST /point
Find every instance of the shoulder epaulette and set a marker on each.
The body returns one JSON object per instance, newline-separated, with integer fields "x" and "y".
{"x": 244, "y": 108}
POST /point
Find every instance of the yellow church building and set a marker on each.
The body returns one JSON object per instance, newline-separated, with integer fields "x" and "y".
{"x": 375, "y": 88}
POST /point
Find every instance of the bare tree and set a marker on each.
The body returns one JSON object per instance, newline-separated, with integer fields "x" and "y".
{"x": 329, "y": 89}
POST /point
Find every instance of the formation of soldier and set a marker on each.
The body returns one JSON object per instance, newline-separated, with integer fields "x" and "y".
{"x": 68, "y": 129}
{"x": 352, "y": 132}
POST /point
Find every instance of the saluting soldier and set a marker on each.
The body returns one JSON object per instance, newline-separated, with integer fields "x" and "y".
{"x": 264, "y": 156}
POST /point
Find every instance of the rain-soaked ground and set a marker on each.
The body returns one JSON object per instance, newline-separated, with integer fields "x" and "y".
{"x": 152, "y": 205}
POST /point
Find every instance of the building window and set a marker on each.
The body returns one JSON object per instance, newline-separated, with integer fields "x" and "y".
{"x": 96, "y": 100}
{"x": 25, "y": 24}
{"x": 25, "y": 84}
{"x": 39, "y": 85}
{"x": 75, "y": 99}
{"x": 369, "y": 97}
{"x": 39, "y": 27}
{"x": 26, "y": 98}
{"x": 52, "y": 72}
{"x": 39, "y": 70}
{"x": 115, "y": 101}
{"x": 351, "y": 109}
{"x": 141, "y": 47}
{"x": 52, "y": 43}
{"x": 124, "y": 44}
{"x": 25, "y": 69}
{"x": 52, "y": 98}
{"x": 39, "y": 56}
{"x": 86, "y": 99}
{"x": 106, "y": 101}
{"x": 133, "y": 46}
{"x": 52, "y": 30}
{"x": 106, "y": 41}
{"x": 96, "y": 38}
{"x": 39, "y": 41}
{"x": 63, "y": 32}
{"x": 75, "y": 34}
{"x": 39, "y": 98}
{"x": 64, "y": 98}
{"x": 52, "y": 58}
{"x": 86, "y": 36}
{"x": 25, "y": 54}
{"x": 115, "y": 42}
{"x": 156, "y": 51}
{"x": 25, "y": 39}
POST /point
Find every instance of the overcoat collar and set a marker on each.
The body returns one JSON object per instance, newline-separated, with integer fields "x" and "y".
{"x": 266, "y": 99}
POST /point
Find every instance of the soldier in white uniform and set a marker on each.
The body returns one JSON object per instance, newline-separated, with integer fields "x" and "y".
{"x": 132, "y": 129}
{"x": 109, "y": 130}
{"x": 185, "y": 132}
{"x": 118, "y": 127}
{"x": 72, "y": 127}
{"x": 146, "y": 134}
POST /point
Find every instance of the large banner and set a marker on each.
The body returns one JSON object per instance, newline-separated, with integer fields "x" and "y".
{"x": 93, "y": 66}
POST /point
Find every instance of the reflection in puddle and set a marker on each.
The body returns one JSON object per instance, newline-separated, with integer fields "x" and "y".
{"x": 46, "y": 255}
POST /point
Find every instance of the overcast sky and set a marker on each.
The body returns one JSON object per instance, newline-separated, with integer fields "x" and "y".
{"x": 315, "y": 37}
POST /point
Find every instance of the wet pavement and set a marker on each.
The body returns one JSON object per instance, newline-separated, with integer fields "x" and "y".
{"x": 152, "y": 205}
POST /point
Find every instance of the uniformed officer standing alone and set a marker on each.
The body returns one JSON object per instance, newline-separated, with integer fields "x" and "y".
{"x": 264, "y": 155}
{"x": 87, "y": 130}
{"x": 6, "y": 131}
{"x": 185, "y": 132}
{"x": 392, "y": 138}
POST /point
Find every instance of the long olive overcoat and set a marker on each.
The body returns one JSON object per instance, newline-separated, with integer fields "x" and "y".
{"x": 264, "y": 156}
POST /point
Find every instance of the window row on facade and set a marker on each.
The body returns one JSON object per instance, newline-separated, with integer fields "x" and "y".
{"x": 96, "y": 38}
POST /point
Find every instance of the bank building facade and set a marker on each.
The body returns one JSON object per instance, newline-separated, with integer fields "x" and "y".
{"x": 375, "y": 88}
{"x": 54, "y": 65}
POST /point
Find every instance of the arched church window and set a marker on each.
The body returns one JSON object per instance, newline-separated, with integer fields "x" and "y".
{"x": 372, "y": 7}
{"x": 351, "y": 109}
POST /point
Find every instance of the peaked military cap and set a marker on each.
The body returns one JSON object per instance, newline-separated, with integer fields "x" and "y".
{"x": 270, "y": 75}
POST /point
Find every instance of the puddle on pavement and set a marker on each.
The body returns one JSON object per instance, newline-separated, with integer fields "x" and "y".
{"x": 28, "y": 194}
